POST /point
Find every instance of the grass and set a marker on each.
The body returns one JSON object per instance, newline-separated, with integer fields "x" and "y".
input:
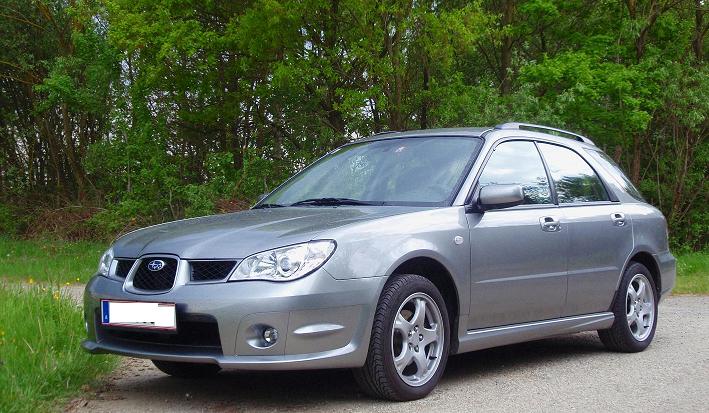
{"x": 41, "y": 362}
{"x": 693, "y": 273}
{"x": 56, "y": 262}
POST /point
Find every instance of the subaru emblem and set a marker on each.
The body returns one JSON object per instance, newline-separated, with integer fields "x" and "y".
{"x": 156, "y": 265}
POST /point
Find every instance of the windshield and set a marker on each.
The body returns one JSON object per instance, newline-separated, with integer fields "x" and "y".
{"x": 405, "y": 171}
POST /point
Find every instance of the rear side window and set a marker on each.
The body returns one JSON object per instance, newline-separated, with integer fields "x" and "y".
{"x": 615, "y": 170}
{"x": 518, "y": 162}
{"x": 574, "y": 179}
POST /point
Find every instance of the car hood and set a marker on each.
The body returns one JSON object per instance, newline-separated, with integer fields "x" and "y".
{"x": 240, "y": 234}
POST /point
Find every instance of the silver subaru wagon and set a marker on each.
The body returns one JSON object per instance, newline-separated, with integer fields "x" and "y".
{"x": 388, "y": 255}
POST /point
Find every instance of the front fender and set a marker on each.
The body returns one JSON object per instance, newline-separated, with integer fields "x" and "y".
{"x": 376, "y": 248}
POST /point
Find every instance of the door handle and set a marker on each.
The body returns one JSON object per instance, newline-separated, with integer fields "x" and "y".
{"x": 550, "y": 224}
{"x": 618, "y": 219}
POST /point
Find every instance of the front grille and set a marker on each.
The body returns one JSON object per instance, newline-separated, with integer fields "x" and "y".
{"x": 194, "y": 332}
{"x": 210, "y": 270}
{"x": 123, "y": 267}
{"x": 163, "y": 279}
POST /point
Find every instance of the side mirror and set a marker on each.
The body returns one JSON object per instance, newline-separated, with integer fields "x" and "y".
{"x": 500, "y": 196}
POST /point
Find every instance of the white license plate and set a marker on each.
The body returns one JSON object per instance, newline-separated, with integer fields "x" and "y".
{"x": 158, "y": 316}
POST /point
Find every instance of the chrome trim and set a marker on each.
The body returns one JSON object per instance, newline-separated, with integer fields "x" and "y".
{"x": 180, "y": 273}
{"x": 537, "y": 323}
{"x": 318, "y": 329}
{"x": 528, "y": 126}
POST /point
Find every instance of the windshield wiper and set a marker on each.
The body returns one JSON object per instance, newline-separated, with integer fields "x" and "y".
{"x": 262, "y": 206}
{"x": 333, "y": 201}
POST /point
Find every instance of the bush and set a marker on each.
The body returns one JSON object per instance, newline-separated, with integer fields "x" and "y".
{"x": 9, "y": 224}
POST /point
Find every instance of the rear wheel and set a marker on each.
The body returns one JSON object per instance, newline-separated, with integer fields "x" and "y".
{"x": 186, "y": 370}
{"x": 635, "y": 310}
{"x": 410, "y": 339}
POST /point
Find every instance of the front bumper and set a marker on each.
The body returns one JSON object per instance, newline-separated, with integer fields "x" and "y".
{"x": 322, "y": 322}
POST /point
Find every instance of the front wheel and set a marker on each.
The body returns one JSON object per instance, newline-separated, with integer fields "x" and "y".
{"x": 635, "y": 310}
{"x": 410, "y": 341}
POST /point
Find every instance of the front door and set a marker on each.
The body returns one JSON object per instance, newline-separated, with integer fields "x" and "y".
{"x": 518, "y": 254}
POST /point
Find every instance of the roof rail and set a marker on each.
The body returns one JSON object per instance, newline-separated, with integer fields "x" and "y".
{"x": 544, "y": 129}
{"x": 385, "y": 132}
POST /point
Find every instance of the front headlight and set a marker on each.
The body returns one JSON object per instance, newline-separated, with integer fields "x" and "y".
{"x": 104, "y": 265}
{"x": 285, "y": 264}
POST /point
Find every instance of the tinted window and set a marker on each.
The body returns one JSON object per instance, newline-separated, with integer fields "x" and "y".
{"x": 391, "y": 171}
{"x": 574, "y": 179}
{"x": 518, "y": 162}
{"x": 618, "y": 173}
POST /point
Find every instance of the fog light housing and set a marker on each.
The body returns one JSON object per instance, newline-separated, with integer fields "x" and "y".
{"x": 270, "y": 336}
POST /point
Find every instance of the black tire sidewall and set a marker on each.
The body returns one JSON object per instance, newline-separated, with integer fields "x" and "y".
{"x": 415, "y": 284}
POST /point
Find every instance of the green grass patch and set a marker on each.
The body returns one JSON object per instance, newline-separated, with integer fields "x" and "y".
{"x": 57, "y": 262}
{"x": 42, "y": 363}
{"x": 692, "y": 273}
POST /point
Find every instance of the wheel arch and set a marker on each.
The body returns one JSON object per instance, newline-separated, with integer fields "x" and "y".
{"x": 648, "y": 260}
{"x": 433, "y": 270}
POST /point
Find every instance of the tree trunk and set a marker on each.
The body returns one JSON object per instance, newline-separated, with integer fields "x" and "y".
{"x": 507, "y": 48}
{"x": 635, "y": 165}
{"x": 641, "y": 40}
{"x": 74, "y": 165}
{"x": 424, "y": 102}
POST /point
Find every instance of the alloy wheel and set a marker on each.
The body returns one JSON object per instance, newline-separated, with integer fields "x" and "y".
{"x": 640, "y": 307}
{"x": 417, "y": 339}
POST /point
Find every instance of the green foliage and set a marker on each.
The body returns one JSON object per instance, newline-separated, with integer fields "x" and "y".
{"x": 8, "y": 220}
{"x": 42, "y": 360}
{"x": 159, "y": 110}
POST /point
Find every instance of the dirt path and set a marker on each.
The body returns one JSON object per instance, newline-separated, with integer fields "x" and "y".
{"x": 557, "y": 374}
{"x": 75, "y": 292}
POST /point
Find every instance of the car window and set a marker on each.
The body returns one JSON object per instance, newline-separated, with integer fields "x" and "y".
{"x": 403, "y": 171}
{"x": 518, "y": 162}
{"x": 617, "y": 173}
{"x": 574, "y": 179}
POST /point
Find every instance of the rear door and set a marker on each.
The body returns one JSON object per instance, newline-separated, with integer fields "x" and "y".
{"x": 599, "y": 231}
{"x": 518, "y": 256}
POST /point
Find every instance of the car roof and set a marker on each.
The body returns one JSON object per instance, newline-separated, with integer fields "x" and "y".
{"x": 513, "y": 129}
{"x": 472, "y": 132}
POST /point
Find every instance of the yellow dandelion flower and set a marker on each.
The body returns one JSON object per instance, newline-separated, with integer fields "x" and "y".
{"x": 30, "y": 281}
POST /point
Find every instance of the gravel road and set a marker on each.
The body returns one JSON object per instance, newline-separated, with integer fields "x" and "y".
{"x": 568, "y": 373}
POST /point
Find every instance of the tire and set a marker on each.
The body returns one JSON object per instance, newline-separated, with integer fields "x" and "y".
{"x": 186, "y": 370}
{"x": 634, "y": 325}
{"x": 401, "y": 300}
